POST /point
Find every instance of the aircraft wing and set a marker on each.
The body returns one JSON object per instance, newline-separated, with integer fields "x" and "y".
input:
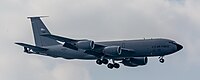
{"x": 59, "y": 38}
{"x": 34, "y": 48}
{"x": 69, "y": 43}
{"x": 96, "y": 51}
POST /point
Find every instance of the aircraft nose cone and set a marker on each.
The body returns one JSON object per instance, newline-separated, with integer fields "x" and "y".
{"x": 179, "y": 47}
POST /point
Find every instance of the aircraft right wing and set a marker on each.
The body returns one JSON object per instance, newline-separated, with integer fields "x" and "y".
{"x": 69, "y": 43}
{"x": 59, "y": 38}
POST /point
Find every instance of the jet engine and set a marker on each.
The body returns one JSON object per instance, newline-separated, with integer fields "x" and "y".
{"x": 136, "y": 61}
{"x": 86, "y": 45}
{"x": 112, "y": 50}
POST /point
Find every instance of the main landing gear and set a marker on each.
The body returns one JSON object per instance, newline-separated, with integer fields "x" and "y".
{"x": 109, "y": 65}
{"x": 161, "y": 59}
{"x": 115, "y": 65}
{"x": 104, "y": 61}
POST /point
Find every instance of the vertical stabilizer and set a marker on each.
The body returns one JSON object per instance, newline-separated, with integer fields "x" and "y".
{"x": 40, "y": 29}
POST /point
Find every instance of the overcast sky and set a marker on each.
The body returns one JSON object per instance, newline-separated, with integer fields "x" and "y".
{"x": 100, "y": 20}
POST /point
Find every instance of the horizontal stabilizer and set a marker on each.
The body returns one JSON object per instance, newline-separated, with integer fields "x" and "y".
{"x": 34, "y": 48}
{"x": 36, "y": 17}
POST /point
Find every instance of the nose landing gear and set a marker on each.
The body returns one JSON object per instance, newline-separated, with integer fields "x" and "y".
{"x": 161, "y": 59}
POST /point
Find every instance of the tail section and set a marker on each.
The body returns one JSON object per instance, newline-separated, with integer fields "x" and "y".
{"x": 39, "y": 29}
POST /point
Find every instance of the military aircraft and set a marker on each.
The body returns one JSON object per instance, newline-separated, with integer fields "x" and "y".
{"x": 130, "y": 53}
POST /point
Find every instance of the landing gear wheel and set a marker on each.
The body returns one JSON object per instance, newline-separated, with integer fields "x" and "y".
{"x": 162, "y": 60}
{"x": 116, "y": 65}
{"x": 105, "y": 61}
{"x": 98, "y": 61}
{"x": 110, "y": 66}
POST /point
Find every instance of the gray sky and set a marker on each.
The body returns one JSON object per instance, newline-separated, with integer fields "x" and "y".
{"x": 100, "y": 20}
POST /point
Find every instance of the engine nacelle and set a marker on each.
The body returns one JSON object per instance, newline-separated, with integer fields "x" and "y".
{"x": 136, "y": 61}
{"x": 112, "y": 50}
{"x": 86, "y": 45}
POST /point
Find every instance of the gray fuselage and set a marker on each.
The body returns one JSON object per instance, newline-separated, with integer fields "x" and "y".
{"x": 141, "y": 48}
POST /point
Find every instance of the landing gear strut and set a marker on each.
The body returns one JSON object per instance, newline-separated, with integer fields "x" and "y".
{"x": 161, "y": 59}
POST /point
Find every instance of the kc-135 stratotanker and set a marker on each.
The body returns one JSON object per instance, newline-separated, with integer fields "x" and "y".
{"x": 130, "y": 53}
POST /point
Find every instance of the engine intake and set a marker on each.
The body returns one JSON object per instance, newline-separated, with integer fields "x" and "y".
{"x": 112, "y": 50}
{"x": 86, "y": 45}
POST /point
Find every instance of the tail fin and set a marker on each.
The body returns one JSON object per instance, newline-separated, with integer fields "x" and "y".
{"x": 40, "y": 29}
